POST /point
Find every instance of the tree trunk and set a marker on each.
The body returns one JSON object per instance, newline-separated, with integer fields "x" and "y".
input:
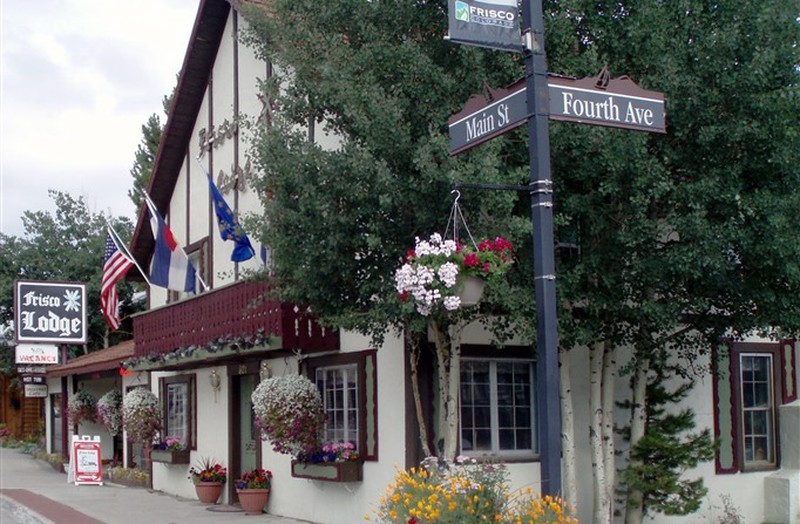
{"x": 609, "y": 462}
{"x": 442, "y": 359}
{"x": 601, "y": 503}
{"x": 634, "y": 510}
{"x": 570, "y": 487}
{"x": 451, "y": 431}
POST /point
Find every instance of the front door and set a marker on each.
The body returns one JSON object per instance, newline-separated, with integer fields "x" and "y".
{"x": 246, "y": 449}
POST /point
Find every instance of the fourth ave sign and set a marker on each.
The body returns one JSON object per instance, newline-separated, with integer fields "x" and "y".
{"x": 596, "y": 100}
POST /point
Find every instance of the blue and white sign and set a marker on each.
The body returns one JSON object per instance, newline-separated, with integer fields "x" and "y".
{"x": 486, "y": 23}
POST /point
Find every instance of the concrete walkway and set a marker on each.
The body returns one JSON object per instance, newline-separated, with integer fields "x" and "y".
{"x": 31, "y": 491}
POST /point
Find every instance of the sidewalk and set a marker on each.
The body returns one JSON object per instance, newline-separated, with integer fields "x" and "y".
{"x": 31, "y": 491}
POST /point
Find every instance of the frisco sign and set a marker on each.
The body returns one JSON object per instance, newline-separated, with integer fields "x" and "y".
{"x": 596, "y": 100}
{"x": 50, "y": 312}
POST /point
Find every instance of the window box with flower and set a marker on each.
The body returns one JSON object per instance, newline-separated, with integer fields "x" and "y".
{"x": 170, "y": 450}
{"x": 334, "y": 462}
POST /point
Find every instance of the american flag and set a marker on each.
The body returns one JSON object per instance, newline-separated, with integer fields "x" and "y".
{"x": 115, "y": 265}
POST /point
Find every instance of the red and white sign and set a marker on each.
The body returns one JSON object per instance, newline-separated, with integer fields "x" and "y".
{"x": 87, "y": 460}
{"x": 36, "y": 354}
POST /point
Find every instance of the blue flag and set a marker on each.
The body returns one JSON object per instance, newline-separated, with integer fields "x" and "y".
{"x": 229, "y": 228}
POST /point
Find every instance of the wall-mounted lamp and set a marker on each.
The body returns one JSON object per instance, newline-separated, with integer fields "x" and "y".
{"x": 265, "y": 371}
{"x": 214, "y": 380}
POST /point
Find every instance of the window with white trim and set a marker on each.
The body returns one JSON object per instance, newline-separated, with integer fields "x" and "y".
{"x": 178, "y": 397}
{"x": 497, "y": 407}
{"x": 338, "y": 386}
{"x": 758, "y": 408}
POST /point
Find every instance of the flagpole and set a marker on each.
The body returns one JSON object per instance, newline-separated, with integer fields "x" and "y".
{"x": 121, "y": 246}
{"x": 152, "y": 205}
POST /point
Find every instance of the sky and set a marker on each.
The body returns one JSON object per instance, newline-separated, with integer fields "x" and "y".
{"x": 78, "y": 79}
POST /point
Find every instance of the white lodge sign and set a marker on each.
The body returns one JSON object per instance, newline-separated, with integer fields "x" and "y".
{"x": 50, "y": 312}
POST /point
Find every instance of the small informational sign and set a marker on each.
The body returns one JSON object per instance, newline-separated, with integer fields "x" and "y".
{"x": 36, "y": 354}
{"x": 35, "y": 390}
{"x": 31, "y": 370}
{"x": 33, "y": 379}
{"x": 485, "y": 23}
{"x": 50, "y": 312}
{"x": 87, "y": 463}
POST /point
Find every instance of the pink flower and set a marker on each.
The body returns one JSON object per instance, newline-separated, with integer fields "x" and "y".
{"x": 471, "y": 260}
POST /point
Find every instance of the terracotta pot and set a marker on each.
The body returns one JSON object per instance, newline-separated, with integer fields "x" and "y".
{"x": 253, "y": 500}
{"x": 208, "y": 492}
{"x": 470, "y": 289}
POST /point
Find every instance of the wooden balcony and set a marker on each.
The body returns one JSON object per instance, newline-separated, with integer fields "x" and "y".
{"x": 238, "y": 310}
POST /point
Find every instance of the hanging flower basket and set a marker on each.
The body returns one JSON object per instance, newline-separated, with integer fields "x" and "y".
{"x": 109, "y": 411}
{"x": 435, "y": 272}
{"x": 82, "y": 406}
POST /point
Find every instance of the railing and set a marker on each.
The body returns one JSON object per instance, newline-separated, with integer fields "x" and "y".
{"x": 239, "y": 310}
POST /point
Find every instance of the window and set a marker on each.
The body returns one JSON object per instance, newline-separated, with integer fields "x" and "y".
{"x": 338, "y": 386}
{"x": 497, "y": 407}
{"x": 750, "y": 382}
{"x": 177, "y": 394}
{"x": 758, "y": 408}
{"x": 197, "y": 254}
{"x": 347, "y": 383}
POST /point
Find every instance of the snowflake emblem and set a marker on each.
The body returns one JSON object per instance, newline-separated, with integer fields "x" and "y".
{"x": 73, "y": 300}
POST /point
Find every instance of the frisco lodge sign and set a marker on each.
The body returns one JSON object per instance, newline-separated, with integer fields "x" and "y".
{"x": 50, "y": 312}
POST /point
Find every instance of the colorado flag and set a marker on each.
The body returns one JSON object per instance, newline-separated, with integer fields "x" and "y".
{"x": 170, "y": 267}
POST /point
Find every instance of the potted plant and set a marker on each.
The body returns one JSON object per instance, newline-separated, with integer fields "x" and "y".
{"x": 82, "y": 406}
{"x": 109, "y": 411}
{"x": 170, "y": 450}
{"x": 208, "y": 478}
{"x": 141, "y": 417}
{"x": 333, "y": 461}
{"x": 253, "y": 490}
{"x": 440, "y": 272}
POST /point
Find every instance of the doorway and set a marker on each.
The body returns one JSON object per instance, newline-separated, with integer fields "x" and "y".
{"x": 246, "y": 448}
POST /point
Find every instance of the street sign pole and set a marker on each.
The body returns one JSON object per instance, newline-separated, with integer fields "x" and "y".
{"x": 544, "y": 274}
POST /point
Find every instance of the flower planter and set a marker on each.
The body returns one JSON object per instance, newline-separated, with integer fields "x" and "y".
{"x": 253, "y": 500}
{"x": 350, "y": 471}
{"x": 170, "y": 457}
{"x": 208, "y": 492}
{"x": 470, "y": 289}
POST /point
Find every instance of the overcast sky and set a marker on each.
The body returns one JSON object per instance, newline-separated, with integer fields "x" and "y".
{"x": 78, "y": 78}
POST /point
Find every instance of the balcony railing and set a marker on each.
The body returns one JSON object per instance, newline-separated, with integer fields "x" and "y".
{"x": 238, "y": 310}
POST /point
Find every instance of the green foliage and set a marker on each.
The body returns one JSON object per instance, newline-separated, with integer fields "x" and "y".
{"x": 67, "y": 246}
{"x": 667, "y": 449}
{"x": 145, "y": 156}
{"x": 340, "y": 219}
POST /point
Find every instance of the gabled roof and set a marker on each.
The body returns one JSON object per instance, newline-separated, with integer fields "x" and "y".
{"x": 198, "y": 63}
{"x": 104, "y": 360}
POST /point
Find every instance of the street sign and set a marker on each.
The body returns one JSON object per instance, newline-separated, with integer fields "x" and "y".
{"x": 594, "y": 100}
{"x": 50, "y": 312}
{"x": 485, "y": 23}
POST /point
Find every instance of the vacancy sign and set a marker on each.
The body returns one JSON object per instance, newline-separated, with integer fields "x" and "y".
{"x": 36, "y": 354}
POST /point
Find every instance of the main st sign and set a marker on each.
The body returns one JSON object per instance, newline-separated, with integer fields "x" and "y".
{"x": 596, "y": 100}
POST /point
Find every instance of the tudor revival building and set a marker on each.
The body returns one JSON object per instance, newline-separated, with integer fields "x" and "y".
{"x": 203, "y": 354}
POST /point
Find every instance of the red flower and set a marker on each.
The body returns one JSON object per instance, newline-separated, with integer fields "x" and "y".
{"x": 410, "y": 254}
{"x": 403, "y": 296}
{"x": 471, "y": 260}
{"x": 486, "y": 245}
{"x": 413, "y": 520}
{"x": 487, "y": 267}
{"x": 501, "y": 244}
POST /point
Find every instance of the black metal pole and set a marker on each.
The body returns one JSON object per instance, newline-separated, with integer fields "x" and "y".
{"x": 544, "y": 273}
